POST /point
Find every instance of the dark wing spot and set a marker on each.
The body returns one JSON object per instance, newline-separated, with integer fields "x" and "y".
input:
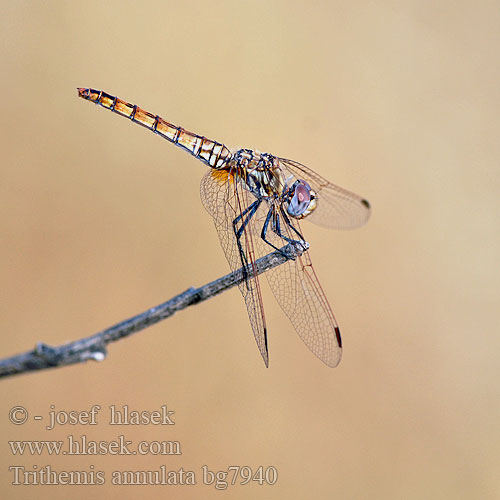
{"x": 365, "y": 203}
{"x": 266, "y": 361}
{"x": 339, "y": 340}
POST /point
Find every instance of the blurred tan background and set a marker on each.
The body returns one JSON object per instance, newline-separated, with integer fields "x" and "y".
{"x": 100, "y": 219}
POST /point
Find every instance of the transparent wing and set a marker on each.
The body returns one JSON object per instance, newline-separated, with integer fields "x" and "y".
{"x": 337, "y": 208}
{"x": 225, "y": 199}
{"x": 294, "y": 283}
{"x": 299, "y": 293}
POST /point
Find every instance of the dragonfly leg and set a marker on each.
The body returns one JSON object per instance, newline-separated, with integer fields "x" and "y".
{"x": 264, "y": 231}
{"x": 277, "y": 229}
{"x": 245, "y": 218}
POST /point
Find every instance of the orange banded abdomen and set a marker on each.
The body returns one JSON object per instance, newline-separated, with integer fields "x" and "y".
{"x": 213, "y": 153}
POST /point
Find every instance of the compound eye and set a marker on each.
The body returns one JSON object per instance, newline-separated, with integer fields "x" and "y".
{"x": 300, "y": 200}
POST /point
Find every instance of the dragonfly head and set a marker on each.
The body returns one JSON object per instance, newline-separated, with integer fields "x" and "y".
{"x": 301, "y": 200}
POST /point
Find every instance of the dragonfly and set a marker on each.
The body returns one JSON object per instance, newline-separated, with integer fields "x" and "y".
{"x": 257, "y": 200}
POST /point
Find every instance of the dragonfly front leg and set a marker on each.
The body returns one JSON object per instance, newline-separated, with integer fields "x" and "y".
{"x": 264, "y": 231}
{"x": 277, "y": 229}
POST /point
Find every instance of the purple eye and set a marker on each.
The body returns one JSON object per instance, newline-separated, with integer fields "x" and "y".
{"x": 301, "y": 200}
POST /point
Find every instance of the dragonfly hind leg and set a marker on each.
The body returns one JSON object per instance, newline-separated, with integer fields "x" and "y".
{"x": 245, "y": 217}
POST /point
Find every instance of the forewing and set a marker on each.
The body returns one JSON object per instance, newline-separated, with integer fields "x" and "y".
{"x": 337, "y": 208}
{"x": 225, "y": 199}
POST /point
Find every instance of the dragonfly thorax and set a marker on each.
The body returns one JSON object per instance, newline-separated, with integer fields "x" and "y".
{"x": 259, "y": 172}
{"x": 254, "y": 160}
{"x": 262, "y": 175}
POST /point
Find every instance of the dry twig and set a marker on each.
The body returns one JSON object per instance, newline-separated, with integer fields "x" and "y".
{"x": 94, "y": 347}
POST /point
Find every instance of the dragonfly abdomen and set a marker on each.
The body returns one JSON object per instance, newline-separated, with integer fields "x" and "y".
{"x": 212, "y": 153}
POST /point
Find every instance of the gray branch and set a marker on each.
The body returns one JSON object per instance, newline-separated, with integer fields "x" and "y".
{"x": 94, "y": 347}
